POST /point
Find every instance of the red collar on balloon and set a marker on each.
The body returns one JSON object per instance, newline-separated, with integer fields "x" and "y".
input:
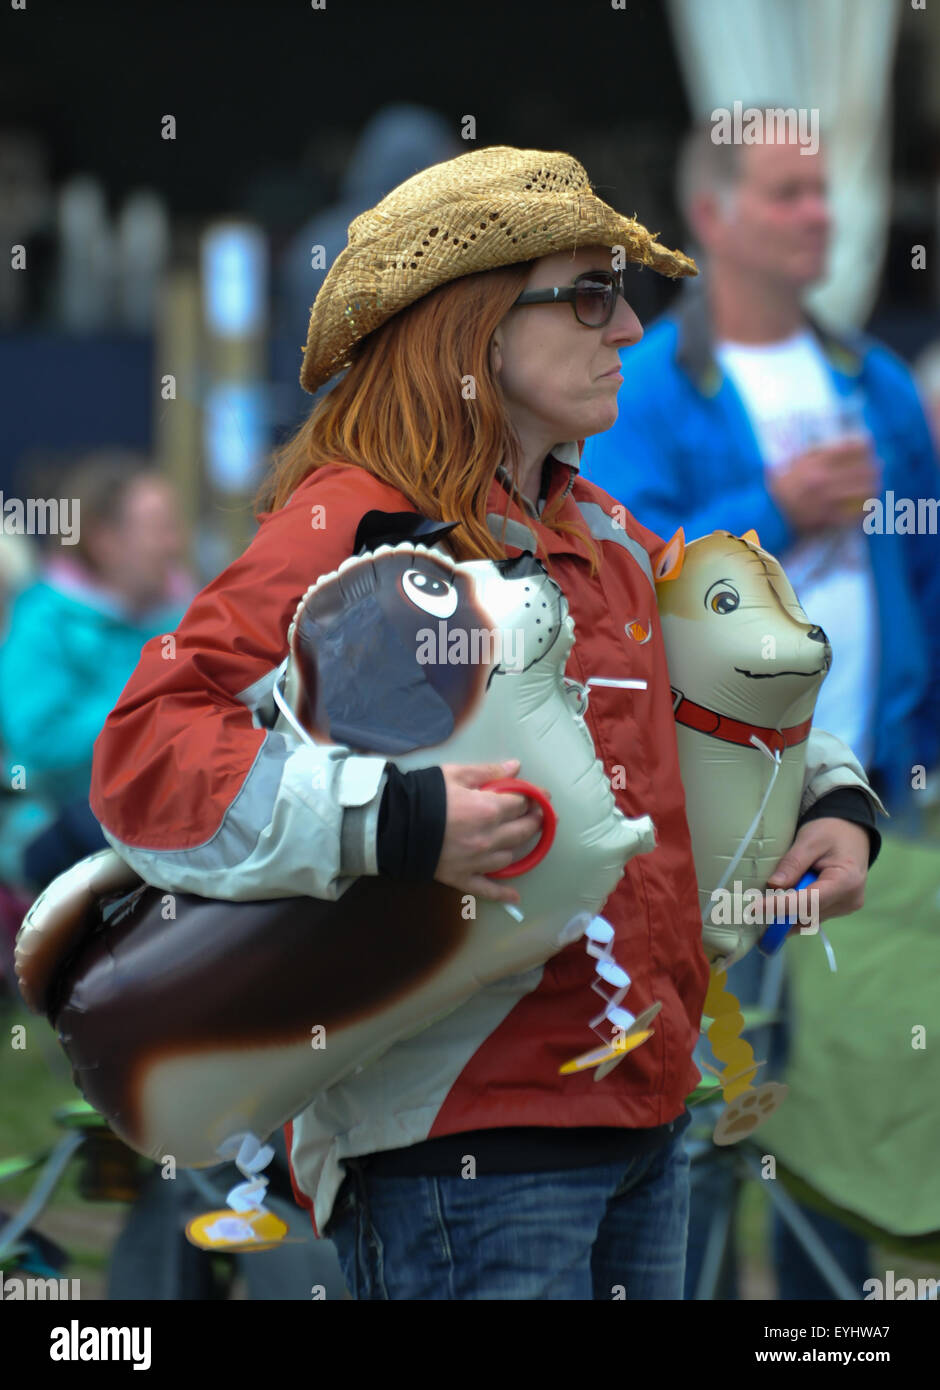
{"x": 709, "y": 721}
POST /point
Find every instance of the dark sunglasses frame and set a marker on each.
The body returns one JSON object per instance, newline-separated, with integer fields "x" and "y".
{"x": 604, "y": 282}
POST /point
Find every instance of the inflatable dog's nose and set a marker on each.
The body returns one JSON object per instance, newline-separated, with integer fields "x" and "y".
{"x": 816, "y": 634}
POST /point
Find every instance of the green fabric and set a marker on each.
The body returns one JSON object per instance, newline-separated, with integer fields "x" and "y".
{"x": 861, "y": 1124}
{"x": 925, "y": 1248}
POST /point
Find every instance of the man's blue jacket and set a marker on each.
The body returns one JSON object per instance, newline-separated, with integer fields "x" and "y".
{"x": 683, "y": 453}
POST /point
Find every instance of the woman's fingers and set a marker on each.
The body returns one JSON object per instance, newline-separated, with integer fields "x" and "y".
{"x": 485, "y": 831}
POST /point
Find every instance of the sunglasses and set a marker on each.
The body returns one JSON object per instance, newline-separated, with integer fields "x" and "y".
{"x": 593, "y": 295}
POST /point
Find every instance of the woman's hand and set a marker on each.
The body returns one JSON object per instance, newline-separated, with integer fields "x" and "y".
{"x": 484, "y": 829}
{"x": 838, "y": 851}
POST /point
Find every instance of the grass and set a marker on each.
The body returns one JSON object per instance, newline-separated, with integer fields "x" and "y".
{"x": 36, "y": 1082}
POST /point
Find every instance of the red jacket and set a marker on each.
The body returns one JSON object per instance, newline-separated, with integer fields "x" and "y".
{"x": 195, "y": 792}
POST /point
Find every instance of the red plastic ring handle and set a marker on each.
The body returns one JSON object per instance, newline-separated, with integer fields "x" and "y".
{"x": 549, "y": 824}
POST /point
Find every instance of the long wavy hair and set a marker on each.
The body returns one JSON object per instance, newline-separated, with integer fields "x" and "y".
{"x": 421, "y": 409}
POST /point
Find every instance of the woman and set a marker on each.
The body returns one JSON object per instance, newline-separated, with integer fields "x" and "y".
{"x": 74, "y": 636}
{"x": 480, "y": 321}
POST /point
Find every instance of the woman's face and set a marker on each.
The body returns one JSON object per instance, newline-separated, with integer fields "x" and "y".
{"x": 137, "y": 552}
{"x": 559, "y": 378}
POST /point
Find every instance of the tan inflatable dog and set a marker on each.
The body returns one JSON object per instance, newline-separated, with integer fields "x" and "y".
{"x": 746, "y": 665}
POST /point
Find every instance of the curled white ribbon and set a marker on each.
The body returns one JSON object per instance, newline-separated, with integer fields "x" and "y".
{"x": 250, "y": 1157}
{"x": 599, "y": 935}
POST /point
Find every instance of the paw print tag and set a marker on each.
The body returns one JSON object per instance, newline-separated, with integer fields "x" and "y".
{"x": 748, "y": 1110}
{"x": 746, "y": 1105}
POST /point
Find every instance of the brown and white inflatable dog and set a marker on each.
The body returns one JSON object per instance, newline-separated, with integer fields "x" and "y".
{"x": 188, "y": 1021}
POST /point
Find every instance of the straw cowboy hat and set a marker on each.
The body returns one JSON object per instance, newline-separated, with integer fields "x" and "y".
{"x": 491, "y": 207}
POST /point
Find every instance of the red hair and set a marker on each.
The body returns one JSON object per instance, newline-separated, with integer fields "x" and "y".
{"x": 421, "y": 409}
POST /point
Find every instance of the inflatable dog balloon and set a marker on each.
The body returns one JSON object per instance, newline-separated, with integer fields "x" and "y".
{"x": 746, "y": 665}
{"x": 188, "y": 1032}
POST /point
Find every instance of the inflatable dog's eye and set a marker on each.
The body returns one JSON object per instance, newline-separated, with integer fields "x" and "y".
{"x": 722, "y": 597}
{"x": 429, "y": 593}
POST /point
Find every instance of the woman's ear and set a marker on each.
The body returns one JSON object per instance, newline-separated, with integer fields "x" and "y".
{"x": 496, "y": 352}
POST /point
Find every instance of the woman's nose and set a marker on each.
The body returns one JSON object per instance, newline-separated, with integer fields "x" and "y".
{"x": 624, "y": 328}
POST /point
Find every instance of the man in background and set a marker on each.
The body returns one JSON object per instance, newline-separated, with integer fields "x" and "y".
{"x": 738, "y": 411}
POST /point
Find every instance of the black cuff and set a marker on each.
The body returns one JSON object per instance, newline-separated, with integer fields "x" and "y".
{"x": 848, "y": 803}
{"x": 412, "y": 821}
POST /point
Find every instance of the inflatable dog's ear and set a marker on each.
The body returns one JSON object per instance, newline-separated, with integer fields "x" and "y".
{"x": 356, "y": 673}
{"x": 667, "y": 563}
{"x": 752, "y": 537}
{"x": 391, "y": 528}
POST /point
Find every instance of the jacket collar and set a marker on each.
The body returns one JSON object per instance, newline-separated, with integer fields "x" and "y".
{"x": 695, "y": 344}
{"x": 562, "y": 465}
{"x": 568, "y": 454}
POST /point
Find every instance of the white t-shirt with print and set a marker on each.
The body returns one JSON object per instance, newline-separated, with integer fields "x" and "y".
{"x": 793, "y": 405}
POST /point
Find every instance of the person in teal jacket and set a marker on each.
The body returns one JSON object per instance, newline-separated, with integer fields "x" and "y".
{"x": 74, "y": 636}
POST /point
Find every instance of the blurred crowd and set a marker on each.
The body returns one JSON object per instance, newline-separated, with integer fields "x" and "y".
{"x": 86, "y": 270}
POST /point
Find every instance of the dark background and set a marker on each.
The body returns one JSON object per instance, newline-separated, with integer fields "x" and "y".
{"x": 269, "y": 99}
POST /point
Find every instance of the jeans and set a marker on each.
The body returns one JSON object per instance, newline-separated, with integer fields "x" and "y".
{"x": 611, "y": 1231}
